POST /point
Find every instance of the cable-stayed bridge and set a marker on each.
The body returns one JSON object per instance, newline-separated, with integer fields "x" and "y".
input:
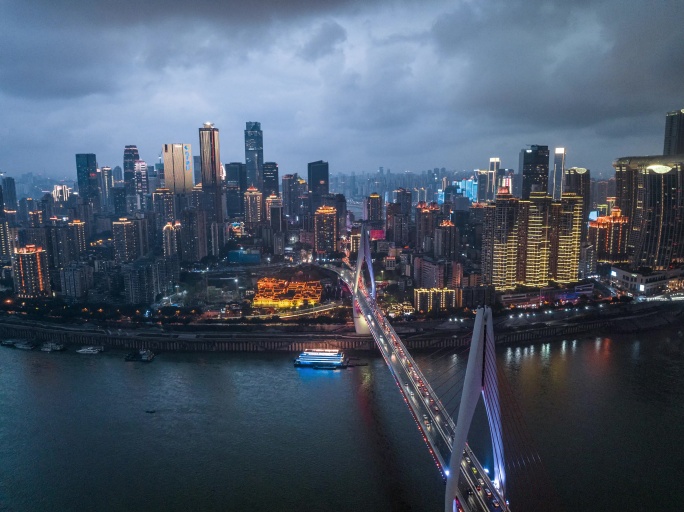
{"x": 469, "y": 486}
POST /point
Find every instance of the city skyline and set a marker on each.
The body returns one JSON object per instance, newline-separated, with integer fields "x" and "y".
{"x": 408, "y": 86}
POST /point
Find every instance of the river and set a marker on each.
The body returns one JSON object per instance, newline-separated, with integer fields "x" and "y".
{"x": 249, "y": 432}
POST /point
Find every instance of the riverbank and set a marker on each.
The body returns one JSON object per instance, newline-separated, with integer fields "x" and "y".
{"x": 276, "y": 338}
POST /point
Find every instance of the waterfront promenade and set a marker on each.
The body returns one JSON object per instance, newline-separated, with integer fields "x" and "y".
{"x": 275, "y": 337}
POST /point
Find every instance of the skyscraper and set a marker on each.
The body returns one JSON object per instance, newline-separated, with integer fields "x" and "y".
{"x": 178, "y": 168}
{"x": 86, "y": 175}
{"x": 674, "y": 133}
{"x": 9, "y": 191}
{"x": 318, "y": 182}
{"x": 254, "y": 154}
{"x": 373, "y": 208}
{"x": 290, "y": 194}
{"x": 578, "y": 181}
{"x": 657, "y": 234}
{"x": 270, "y": 179}
{"x": 500, "y": 242}
{"x": 131, "y": 155}
{"x": 556, "y": 185}
{"x": 212, "y": 186}
{"x": 534, "y": 167}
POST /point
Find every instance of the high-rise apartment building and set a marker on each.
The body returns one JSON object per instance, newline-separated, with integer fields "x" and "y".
{"x": 447, "y": 241}
{"x": 253, "y": 207}
{"x": 558, "y": 174}
{"x": 674, "y": 133}
{"x": 319, "y": 178}
{"x": 127, "y": 240}
{"x": 426, "y": 222}
{"x": 193, "y": 234}
{"x": 534, "y": 167}
{"x": 178, "y": 168}
{"x": 403, "y": 198}
{"x": 290, "y": 193}
{"x": 30, "y": 272}
{"x": 271, "y": 185}
{"x": 170, "y": 239}
{"x": 567, "y": 237}
{"x": 325, "y": 229}
{"x": 86, "y": 176}
{"x": 500, "y": 242}
{"x": 254, "y": 154}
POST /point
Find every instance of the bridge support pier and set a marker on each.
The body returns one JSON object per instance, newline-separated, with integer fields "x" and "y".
{"x": 360, "y": 322}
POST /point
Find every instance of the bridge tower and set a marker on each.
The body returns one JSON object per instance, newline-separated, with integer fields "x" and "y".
{"x": 480, "y": 377}
{"x": 360, "y": 322}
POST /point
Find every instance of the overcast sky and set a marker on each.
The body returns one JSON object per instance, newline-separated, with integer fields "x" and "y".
{"x": 408, "y": 85}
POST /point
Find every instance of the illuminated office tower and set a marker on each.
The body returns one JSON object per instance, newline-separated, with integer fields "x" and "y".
{"x": 271, "y": 184}
{"x": 131, "y": 155}
{"x": 319, "y": 178}
{"x": 556, "y": 185}
{"x": 254, "y": 154}
{"x": 253, "y": 207}
{"x": 30, "y": 272}
{"x": 608, "y": 234}
{"x": 626, "y": 188}
{"x": 534, "y": 167}
{"x": 373, "y": 208}
{"x": 500, "y": 265}
{"x": 565, "y": 258}
{"x": 212, "y": 187}
{"x": 325, "y": 230}
{"x": 658, "y": 226}
{"x": 536, "y": 234}
{"x": 578, "y": 181}
{"x": 105, "y": 186}
{"x": 674, "y": 133}
{"x": 178, "y": 168}
{"x": 86, "y": 176}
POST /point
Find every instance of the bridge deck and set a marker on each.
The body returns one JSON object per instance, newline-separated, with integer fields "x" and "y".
{"x": 434, "y": 422}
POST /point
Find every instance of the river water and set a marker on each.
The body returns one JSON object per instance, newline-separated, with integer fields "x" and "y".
{"x": 249, "y": 432}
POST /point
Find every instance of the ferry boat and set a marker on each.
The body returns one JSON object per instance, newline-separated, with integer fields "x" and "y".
{"x": 89, "y": 350}
{"x": 24, "y": 345}
{"x": 323, "y": 359}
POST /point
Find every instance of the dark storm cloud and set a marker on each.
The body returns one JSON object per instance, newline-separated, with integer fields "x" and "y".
{"x": 323, "y": 41}
{"x": 398, "y": 83}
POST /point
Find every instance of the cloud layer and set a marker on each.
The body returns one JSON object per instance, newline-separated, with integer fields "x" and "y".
{"x": 401, "y": 84}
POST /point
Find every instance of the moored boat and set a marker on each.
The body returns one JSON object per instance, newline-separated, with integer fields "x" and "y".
{"x": 90, "y": 350}
{"x": 24, "y": 345}
{"x": 51, "y": 346}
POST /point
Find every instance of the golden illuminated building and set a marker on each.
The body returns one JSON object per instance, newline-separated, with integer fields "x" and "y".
{"x": 30, "y": 272}
{"x": 500, "y": 251}
{"x": 325, "y": 229}
{"x": 568, "y": 232}
{"x": 280, "y": 293}
{"x": 608, "y": 234}
{"x": 429, "y": 299}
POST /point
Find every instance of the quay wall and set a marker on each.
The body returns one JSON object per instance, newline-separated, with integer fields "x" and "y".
{"x": 272, "y": 340}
